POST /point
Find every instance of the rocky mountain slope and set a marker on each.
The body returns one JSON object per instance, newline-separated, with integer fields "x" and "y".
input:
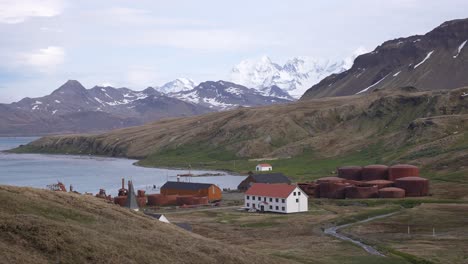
{"x": 434, "y": 61}
{"x": 74, "y": 109}
{"x": 40, "y": 226}
{"x": 294, "y": 77}
{"x": 396, "y": 125}
{"x": 222, "y": 95}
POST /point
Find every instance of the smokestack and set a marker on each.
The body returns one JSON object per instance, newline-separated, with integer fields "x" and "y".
{"x": 123, "y": 183}
{"x": 71, "y": 188}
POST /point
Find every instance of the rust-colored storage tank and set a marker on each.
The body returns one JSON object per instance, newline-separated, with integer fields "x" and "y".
{"x": 308, "y": 187}
{"x": 374, "y": 172}
{"x": 329, "y": 179}
{"x": 402, "y": 171}
{"x": 391, "y": 192}
{"x": 120, "y": 200}
{"x": 379, "y": 183}
{"x": 141, "y": 193}
{"x": 141, "y": 200}
{"x": 333, "y": 190}
{"x": 350, "y": 173}
{"x": 413, "y": 186}
{"x": 186, "y": 200}
{"x": 358, "y": 192}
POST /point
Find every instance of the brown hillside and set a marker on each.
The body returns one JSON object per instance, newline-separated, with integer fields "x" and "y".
{"x": 38, "y": 226}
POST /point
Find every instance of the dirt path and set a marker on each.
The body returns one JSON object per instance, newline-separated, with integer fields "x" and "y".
{"x": 333, "y": 231}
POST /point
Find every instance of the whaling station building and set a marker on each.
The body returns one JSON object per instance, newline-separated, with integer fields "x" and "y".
{"x": 209, "y": 190}
{"x": 264, "y": 167}
{"x": 278, "y": 198}
{"x": 263, "y": 178}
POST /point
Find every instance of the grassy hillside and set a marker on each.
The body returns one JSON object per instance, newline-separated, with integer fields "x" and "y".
{"x": 39, "y": 226}
{"x": 306, "y": 139}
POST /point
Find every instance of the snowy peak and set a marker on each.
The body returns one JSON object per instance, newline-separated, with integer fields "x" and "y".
{"x": 295, "y": 76}
{"x": 223, "y": 95}
{"x": 178, "y": 85}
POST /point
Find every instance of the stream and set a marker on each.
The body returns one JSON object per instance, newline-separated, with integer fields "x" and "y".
{"x": 333, "y": 231}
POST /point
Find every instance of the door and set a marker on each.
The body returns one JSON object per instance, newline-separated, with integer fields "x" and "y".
{"x": 262, "y": 208}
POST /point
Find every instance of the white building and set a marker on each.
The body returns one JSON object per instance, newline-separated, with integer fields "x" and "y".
{"x": 279, "y": 198}
{"x": 264, "y": 167}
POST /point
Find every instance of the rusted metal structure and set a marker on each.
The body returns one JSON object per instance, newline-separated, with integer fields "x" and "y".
{"x": 209, "y": 190}
{"x": 350, "y": 173}
{"x": 402, "y": 171}
{"x": 413, "y": 186}
{"x": 392, "y": 192}
{"x": 379, "y": 183}
{"x": 329, "y": 179}
{"x": 374, "y": 172}
{"x": 361, "y": 192}
{"x": 57, "y": 187}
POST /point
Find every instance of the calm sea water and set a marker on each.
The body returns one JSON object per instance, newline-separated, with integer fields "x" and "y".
{"x": 87, "y": 173}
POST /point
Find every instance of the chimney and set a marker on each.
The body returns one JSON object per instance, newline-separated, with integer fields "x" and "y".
{"x": 123, "y": 183}
{"x": 71, "y": 188}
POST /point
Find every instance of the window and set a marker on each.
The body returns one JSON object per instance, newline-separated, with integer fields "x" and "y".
{"x": 271, "y": 199}
{"x": 299, "y": 193}
{"x": 282, "y": 208}
{"x": 271, "y": 207}
{"x": 294, "y": 193}
{"x": 264, "y": 199}
{"x": 276, "y": 199}
{"x": 277, "y": 208}
{"x": 297, "y": 200}
{"x": 253, "y": 198}
{"x": 247, "y": 204}
{"x": 259, "y": 198}
{"x": 247, "y": 197}
{"x": 283, "y": 201}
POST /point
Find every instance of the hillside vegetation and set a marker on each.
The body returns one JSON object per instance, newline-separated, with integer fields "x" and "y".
{"x": 307, "y": 139}
{"x": 39, "y": 226}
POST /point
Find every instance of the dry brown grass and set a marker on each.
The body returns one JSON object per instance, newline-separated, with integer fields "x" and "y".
{"x": 449, "y": 245}
{"x": 38, "y": 226}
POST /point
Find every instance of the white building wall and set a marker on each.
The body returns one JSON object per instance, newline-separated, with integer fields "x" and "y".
{"x": 277, "y": 204}
{"x": 297, "y": 203}
{"x": 260, "y": 168}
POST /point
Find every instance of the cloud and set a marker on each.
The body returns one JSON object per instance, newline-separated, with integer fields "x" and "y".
{"x": 44, "y": 60}
{"x": 17, "y": 11}
{"x": 141, "y": 76}
{"x": 349, "y": 61}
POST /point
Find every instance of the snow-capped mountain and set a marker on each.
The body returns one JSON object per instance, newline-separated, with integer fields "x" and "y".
{"x": 178, "y": 85}
{"x": 222, "y": 95}
{"x": 295, "y": 76}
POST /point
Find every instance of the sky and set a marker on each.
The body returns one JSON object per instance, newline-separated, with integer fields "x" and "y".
{"x": 136, "y": 44}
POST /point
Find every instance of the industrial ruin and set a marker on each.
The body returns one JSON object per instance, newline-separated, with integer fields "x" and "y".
{"x": 372, "y": 181}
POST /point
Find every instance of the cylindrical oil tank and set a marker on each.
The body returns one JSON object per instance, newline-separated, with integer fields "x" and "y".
{"x": 358, "y": 192}
{"x": 329, "y": 179}
{"x": 413, "y": 186}
{"x": 308, "y": 188}
{"x": 374, "y": 172}
{"x": 350, "y": 172}
{"x": 402, "y": 171}
{"x": 141, "y": 193}
{"x": 185, "y": 200}
{"x": 379, "y": 183}
{"x": 391, "y": 192}
{"x": 333, "y": 190}
{"x": 120, "y": 200}
{"x": 141, "y": 200}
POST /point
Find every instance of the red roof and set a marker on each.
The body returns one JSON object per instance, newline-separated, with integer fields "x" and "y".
{"x": 280, "y": 190}
{"x": 264, "y": 165}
